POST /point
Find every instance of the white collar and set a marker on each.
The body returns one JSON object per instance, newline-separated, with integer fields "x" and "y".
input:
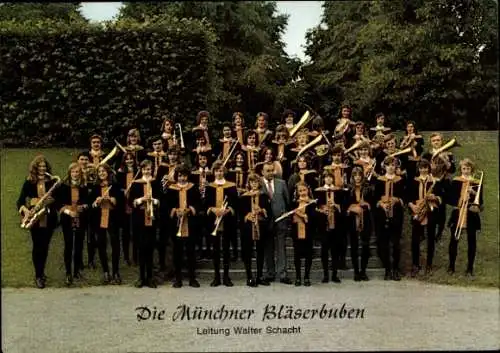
{"x": 328, "y": 187}
{"x": 220, "y": 182}
{"x": 390, "y": 176}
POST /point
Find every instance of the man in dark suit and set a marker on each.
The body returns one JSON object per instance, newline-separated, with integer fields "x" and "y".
{"x": 280, "y": 201}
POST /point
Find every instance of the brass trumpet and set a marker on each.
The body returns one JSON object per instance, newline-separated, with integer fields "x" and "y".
{"x": 218, "y": 220}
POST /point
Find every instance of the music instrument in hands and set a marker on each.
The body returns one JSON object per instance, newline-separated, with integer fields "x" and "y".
{"x": 285, "y": 215}
{"x": 103, "y": 197}
{"x": 178, "y": 125}
{"x": 450, "y": 144}
{"x": 218, "y": 219}
{"x": 255, "y": 214}
{"x": 423, "y": 206}
{"x": 465, "y": 206}
{"x": 33, "y": 215}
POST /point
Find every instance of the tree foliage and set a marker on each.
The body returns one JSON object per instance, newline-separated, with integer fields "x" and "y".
{"x": 255, "y": 71}
{"x": 62, "y": 82}
{"x": 433, "y": 62}
{"x": 39, "y": 11}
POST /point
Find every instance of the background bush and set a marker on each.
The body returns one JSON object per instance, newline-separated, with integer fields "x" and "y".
{"x": 62, "y": 82}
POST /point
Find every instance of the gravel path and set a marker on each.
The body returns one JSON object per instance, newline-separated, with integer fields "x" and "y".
{"x": 407, "y": 315}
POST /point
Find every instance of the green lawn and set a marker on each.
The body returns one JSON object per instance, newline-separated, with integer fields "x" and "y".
{"x": 17, "y": 269}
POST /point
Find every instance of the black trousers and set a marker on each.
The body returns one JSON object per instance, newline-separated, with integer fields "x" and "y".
{"x": 356, "y": 238}
{"x": 225, "y": 238}
{"x": 471, "y": 248}
{"x": 102, "y": 243}
{"x": 247, "y": 248}
{"x": 187, "y": 244}
{"x": 203, "y": 230}
{"x": 164, "y": 233}
{"x": 91, "y": 244}
{"x": 417, "y": 232}
{"x": 331, "y": 246}
{"x": 302, "y": 248}
{"x": 126, "y": 234}
{"x": 146, "y": 247}
{"x": 342, "y": 242}
{"x": 441, "y": 219}
{"x": 389, "y": 233}
{"x": 40, "y": 251}
{"x": 73, "y": 248}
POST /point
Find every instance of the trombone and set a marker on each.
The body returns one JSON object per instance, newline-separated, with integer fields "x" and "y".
{"x": 462, "y": 215}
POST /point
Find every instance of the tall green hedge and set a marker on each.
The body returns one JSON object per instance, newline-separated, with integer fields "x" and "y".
{"x": 59, "y": 82}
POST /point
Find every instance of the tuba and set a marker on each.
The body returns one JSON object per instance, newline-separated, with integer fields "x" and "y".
{"x": 40, "y": 208}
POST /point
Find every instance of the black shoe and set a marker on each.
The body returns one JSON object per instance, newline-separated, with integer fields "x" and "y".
{"x": 286, "y": 280}
{"x": 335, "y": 279}
{"x": 263, "y": 282}
{"x": 91, "y": 265}
{"x": 469, "y": 274}
{"x": 44, "y": 278}
{"x": 117, "y": 279}
{"x": 151, "y": 283}
{"x": 194, "y": 283}
{"x": 69, "y": 280}
{"x": 396, "y": 276}
{"x": 270, "y": 279}
{"x": 428, "y": 270}
{"x": 325, "y": 279}
{"x": 227, "y": 282}
{"x": 77, "y": 275}
{"x": 40, "y": 283}
{"x": 106, "y": 278}
{"x": 251, "y": 282}
{"x": 215, "y": 282}
{"x": 414, "y": 271}
{"x": 128, "y": 262}
{"x": 451, "y": 271}
{"x": 139, "y": 284}
{"x": 357, "y": 277}
{"x": 363, "y": 276}
{"x": 298, "y": 283}
{"x": 388, "y": 275}
{"x": 307, "y": 282}
{"x": 177, "y": 284}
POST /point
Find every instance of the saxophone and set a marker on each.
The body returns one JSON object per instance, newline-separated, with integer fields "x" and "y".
{"x": 40, "y": 208}
{"x": 424, "y": 205}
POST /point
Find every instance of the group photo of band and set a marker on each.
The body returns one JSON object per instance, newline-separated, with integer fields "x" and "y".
{"x": 203, "y": 191}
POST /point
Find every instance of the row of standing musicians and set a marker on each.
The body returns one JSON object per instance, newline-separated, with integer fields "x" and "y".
{"x": 338, "y": 192}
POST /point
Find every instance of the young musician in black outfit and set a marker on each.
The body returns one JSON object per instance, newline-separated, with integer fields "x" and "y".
{"x": 464, "y": 198}
{"x": 182, "y": 201}
{"x": 255, "y": 211}
{"x": 125, "y": 176}
{"x": 104, "y": 198}
{"x": 72, "y": 203}
{"x": 144, "y": 198}
{"x": 302, "y": 221}
{"x": 330, "y": 209}
{"x": 359, "y": 201}
{"x": 389, "y": 195}
{"x": 35, "y": 188}
{"x": 425, "y": 194}
{"x": 222, "y": 198}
